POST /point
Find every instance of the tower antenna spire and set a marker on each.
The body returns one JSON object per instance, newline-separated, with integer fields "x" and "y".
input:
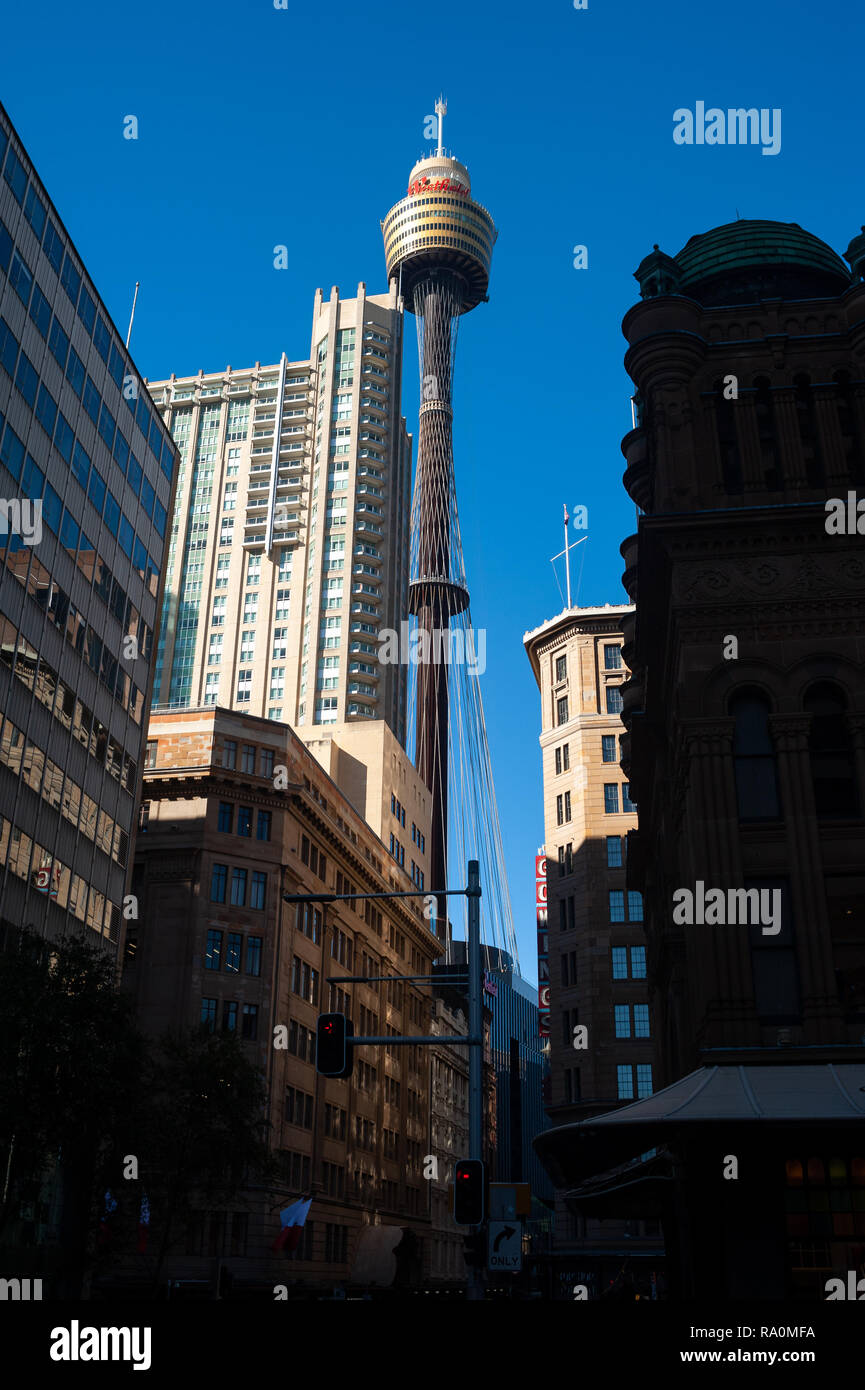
{"x": 441, "y": 112}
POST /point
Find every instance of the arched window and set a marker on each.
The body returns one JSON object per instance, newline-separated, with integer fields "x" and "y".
{"x": 768, "y": 438}
{"x": 847, "y": 424}
{"x": 728, "y": 442}
{"x": 754, "y": 758}
{"x": 808, "y": 431}
{"x": 833, "y": 768}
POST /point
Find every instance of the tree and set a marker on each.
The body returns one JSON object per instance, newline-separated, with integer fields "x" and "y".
{"x": 70, "y": 1056}
{"x": 203, "y": 1135}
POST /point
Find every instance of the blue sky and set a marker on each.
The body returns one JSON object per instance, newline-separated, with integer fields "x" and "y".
{"x": 260, "y": 127}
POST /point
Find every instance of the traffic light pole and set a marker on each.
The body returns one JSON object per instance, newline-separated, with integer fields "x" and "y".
{"x": 475, "y": 1288}
{"x": 474, "y": 1041}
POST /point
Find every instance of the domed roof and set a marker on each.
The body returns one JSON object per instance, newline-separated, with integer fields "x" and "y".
{"x": 742, "y": 244}
{"x": 746, "y": 261}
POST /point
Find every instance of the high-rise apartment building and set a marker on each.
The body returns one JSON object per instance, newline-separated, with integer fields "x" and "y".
{"x": 600, "y": 1027}
{"x": 86, "y": 472}
{"x": 289, "y": 545}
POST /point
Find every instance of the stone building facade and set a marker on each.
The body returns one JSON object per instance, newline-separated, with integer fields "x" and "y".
{"x": 237, "y": 813}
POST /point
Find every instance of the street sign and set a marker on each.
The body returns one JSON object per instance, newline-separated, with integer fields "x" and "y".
{"x": 505, "y": 1250}
{"x": 509, "y": 1200}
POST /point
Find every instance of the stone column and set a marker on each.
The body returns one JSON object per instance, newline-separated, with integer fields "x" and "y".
{"x": 717, "y": 860}
{"x": 792, "y": 462}
{"x": 820, "y": 1005}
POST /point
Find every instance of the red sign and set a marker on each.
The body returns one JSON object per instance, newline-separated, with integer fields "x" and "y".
{"x": 543, "y": 945}
{"x": 42, "y": 879}
{"x": 425, "y": 185}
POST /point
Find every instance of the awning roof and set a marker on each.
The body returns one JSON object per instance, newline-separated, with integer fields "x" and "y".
{"x": 820, "y": 1094}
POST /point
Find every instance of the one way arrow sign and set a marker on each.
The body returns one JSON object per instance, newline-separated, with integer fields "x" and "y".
{"x": 505, "y": 1246}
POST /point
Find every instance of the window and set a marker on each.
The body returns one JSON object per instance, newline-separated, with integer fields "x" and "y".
{"x": 572, "y": 1085}
{"x": 253, "y": 955}
{"x": 562, "y": 710}
{"x": 830, "y": 746}
{"x": 234, "y": 947}
{"x": 608, "y": 748}
{"x": 229, "y": 753}
{"x": 208, "y": 1014}
{"x": 218, "y": 883}
{"x": 628, "y": 806}
{"x": 620, "y": 962}
{"x": 644, "y": 1082}
{"x": 617, "y": 906}
{"x": 614, "y": 851}
{"x": 213, "y": 956}
{"x": 612, "y": 657}
{"x": 265, "y": 758}
{"x": 226, "y": 815}
{"x": 150, "y": 752}
{"x": 561, "y": 668}
{"x": 611, "y": 798}
{"x": 244, "y": 820}
{"x": 614, "y": 699}
{"x": 560, "y": 812}
{"x": 259, "y": 890}
{"x": 248, "y": 758}
{"x": 638, "y": 962}
{"x": 229, "y": 1016}
{"x": 262, "y": 827}
{"x": 563, "y": 760}
{"x": 238, "y": 887}
{"x": 625, "y": 1080}
{"x": 623, "y": 1020}
{"x": 569, "y": 968}
{"x": 635, "y": 907}
{"x": 641, "y": 1021}
{"x": 249, "y": 1023}
{"x": 753, "y": 758}
{"x": 567, "y": 807}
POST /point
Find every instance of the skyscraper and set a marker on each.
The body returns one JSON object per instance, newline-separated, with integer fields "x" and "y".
{"x": 85, "y": 480}
{"x": 289, "y": 546}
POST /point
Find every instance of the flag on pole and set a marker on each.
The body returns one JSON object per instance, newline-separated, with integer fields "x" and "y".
{"x": 292, "y": 1221}
{"x": 143, "y": 1224}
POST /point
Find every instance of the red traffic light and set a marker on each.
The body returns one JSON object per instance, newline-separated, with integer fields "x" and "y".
{"x": 333, "y": 1056}
{"x": 470, "y": 1192}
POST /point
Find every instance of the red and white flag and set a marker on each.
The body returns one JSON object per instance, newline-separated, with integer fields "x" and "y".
{"x": 292, "y": 1221}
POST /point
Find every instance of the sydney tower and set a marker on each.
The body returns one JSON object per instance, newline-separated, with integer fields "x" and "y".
{"x": 438, "y": 246}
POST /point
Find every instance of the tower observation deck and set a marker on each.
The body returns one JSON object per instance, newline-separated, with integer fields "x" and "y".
{"x": 438, "y": 246}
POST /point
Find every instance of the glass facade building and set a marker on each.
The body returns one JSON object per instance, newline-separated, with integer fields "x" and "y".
{"x": 86, "y": 469}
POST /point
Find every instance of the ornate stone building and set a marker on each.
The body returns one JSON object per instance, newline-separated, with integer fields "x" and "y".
{"x": 745, "y": 752}
{"x": 236, "y": 814}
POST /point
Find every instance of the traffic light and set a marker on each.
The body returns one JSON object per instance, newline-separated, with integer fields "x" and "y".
{"x": 470, "y": 1192}
{"x": 334, "y": 1048}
